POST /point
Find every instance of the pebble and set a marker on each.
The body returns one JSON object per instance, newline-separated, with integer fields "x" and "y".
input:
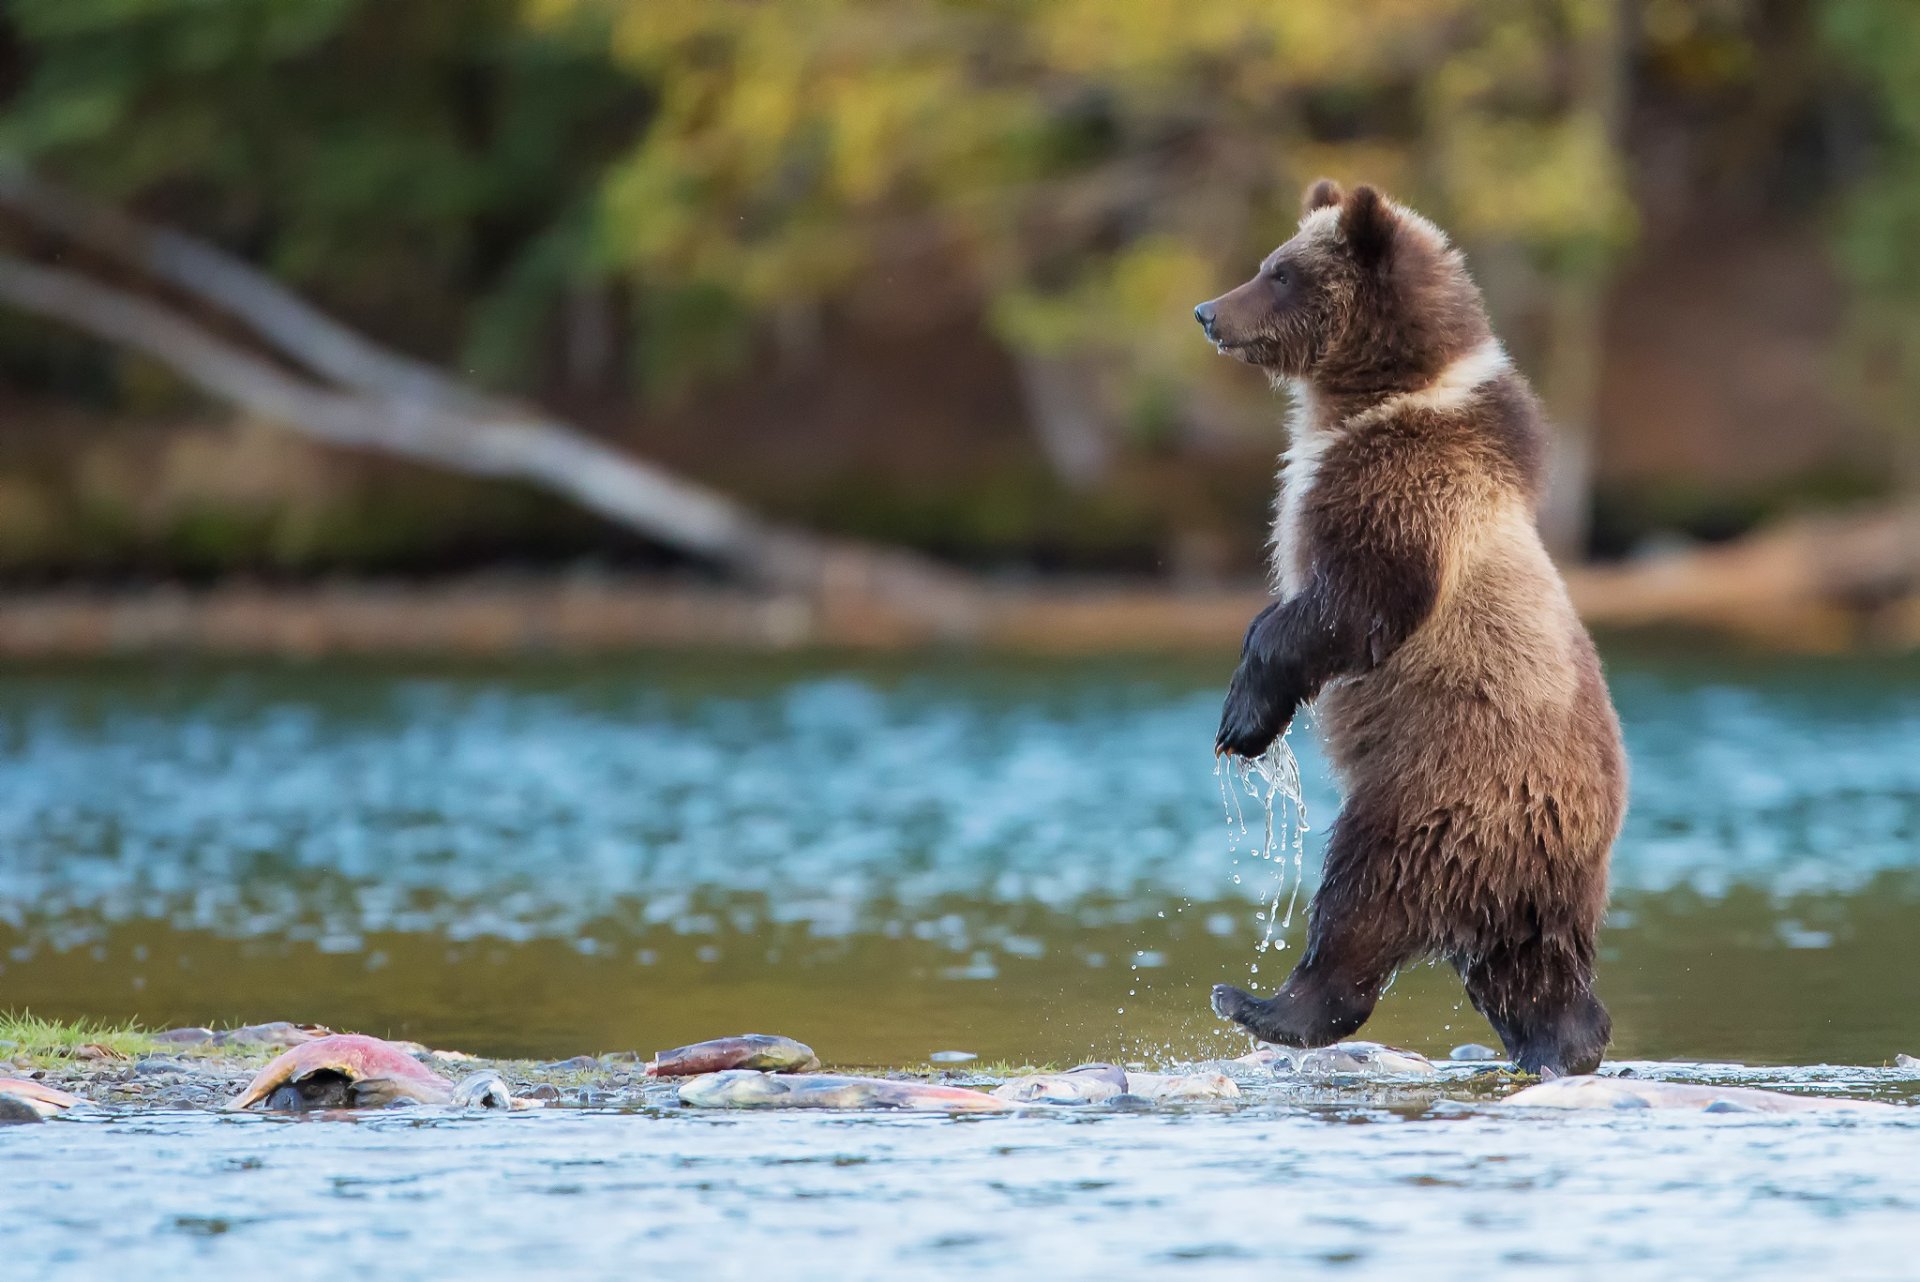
{"x": 952, "y": 1057}
{"x": 1473, "y": 1051}
{"x": 153, "y": 1064}
{"x": 545, "y": 1091}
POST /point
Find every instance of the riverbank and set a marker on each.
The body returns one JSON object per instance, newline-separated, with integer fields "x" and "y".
{"x": 1819, "y": 585}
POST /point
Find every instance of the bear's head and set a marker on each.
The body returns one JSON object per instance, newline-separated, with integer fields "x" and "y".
{"x": 1367, "y": 296}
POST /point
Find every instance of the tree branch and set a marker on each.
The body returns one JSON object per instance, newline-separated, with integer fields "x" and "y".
{"x": 280, "y": 318}
{"x": 623, "y": 489}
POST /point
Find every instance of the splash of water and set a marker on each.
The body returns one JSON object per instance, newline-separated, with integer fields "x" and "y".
{"x": 1272, "y": 780}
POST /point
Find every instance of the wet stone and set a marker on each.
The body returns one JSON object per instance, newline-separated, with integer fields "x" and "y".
{"x": 544, "y": 1091}
{"x": 153, "y": 1065}
{"x": 1473, "y": 1052}
{"x": 577, "y": 1063}
{"x": 184, "y": 1036}
{"x": 1906, "y": 1061}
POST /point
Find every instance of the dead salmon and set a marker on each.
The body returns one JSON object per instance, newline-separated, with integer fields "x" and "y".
{"x": 345, "y": 1070}
{"x": 750, "y": 1050}
{"x": 22, "y": 1100}
{"x": 1174, "y": 1088}
{"x": 1620, "y": 1092}
{"x": 746, "y": 1088}
{"x": 1087, "y": 1084}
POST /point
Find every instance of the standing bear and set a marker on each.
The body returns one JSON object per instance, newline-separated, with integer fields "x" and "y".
{"x": 1459, "y": 696}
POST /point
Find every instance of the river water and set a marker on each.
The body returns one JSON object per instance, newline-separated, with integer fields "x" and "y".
{"x": 1029, "y": 862}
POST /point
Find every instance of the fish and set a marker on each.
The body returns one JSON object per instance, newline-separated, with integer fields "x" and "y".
{"x": 1621, "y": 1093}
{"x": 344, "y": 1070}
{"x": 750, "y": 1050}
{"x": 1087, "y": 1084}
{"x": 22, "y": 1100}
{"x": 1171, "y": 1088}
{"x": 1343, "y": 1059}
{"x": 748, "y": 1088}
{"x": 487, "y": 1089}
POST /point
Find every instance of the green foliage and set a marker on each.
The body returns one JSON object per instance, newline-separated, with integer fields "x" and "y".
{"x": 24, "y": 1036}
{"x": 1093, "y": 167}
{"x": 417, "y": 161}
{"x": 1880, "y": 221}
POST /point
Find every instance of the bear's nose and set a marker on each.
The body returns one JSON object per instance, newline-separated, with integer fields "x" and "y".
{"x": 1204, "y": 314}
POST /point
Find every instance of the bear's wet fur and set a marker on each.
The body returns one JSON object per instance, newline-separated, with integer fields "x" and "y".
{"x": 1461, "y": 700}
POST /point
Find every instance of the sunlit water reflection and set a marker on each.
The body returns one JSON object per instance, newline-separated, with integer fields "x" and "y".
{"x": 888, "y": 860}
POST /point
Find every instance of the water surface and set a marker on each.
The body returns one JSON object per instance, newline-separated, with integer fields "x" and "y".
{"x": 1026, "y": 861}
{"x": 1030, "y": 861}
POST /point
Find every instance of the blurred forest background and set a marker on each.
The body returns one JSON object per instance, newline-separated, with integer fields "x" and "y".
{"x": 913, "y": 272}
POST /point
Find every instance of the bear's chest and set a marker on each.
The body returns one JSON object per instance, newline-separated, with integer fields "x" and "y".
{"x": 1292, "y": 534}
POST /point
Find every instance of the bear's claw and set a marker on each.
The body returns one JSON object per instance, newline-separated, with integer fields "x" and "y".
{"x": 1230, "y": 1003}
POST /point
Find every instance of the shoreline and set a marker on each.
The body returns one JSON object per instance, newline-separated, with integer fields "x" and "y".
{"x": 496, "y": 617}
{"x": 1821, "y": 585}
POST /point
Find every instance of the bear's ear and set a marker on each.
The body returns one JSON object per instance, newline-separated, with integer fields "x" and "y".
{"x": 1322, "y": 195}
{"x": 1368, "y": 223}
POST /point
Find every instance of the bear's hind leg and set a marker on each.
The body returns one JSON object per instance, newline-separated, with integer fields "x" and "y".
{"x": 1355, "y": 941}
{"x": 1543, "y": 1009}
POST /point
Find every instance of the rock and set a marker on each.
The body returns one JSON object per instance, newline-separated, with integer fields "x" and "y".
{"x": 545, "y": 1091}
{"x": 577, "y": 1063}
{"x": 1474, "y": 1052}
{"x": 343, "y": 1071}
{"x": 278, "y": 1033}
{"x": 1906, "y": 1061}
{"x": 750, "y": 1050}
{"x": 151, "y": 1065}
{"x": 1615, "y": 1093}
{"x": 1367, "y": 1060}
{"x": 952, "y": 1057}
{"x": 1087, "y": 1084}
{"x": 184, "y": 1036}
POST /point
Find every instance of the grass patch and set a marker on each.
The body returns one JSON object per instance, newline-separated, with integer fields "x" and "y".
{"x": 25, "y": 1036}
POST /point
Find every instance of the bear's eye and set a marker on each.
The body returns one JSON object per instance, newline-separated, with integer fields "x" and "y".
{"x": 1278, "y": 276}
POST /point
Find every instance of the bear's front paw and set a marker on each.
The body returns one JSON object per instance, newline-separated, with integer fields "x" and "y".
{"x": 1248, "y": 724}
{"x": 1230, "y": 1003}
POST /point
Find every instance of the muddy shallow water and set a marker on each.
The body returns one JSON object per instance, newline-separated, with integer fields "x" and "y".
{"x": 1029, "y": 862}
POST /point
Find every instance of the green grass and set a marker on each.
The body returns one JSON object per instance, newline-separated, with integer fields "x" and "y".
{"x": 25, "y": 1036}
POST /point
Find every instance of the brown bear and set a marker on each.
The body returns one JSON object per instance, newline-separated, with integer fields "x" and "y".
{"x": 1460, "y": 698}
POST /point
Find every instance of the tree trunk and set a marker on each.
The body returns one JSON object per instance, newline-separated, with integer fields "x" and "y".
{"x": 1571, "y": 367}
{"x": 1067, "y": 418}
